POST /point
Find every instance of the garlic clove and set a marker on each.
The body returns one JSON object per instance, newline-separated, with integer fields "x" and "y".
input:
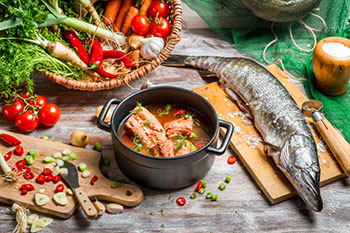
{"x": 151, "y": 47}
{"x": 47, "y": 221}
{"x": 37, "y": 225}
{"x": 60, "y": 198}
{"x": 113, "y": 208}
{"x": 32, "y": 218}
{"x": 41, "y": 199}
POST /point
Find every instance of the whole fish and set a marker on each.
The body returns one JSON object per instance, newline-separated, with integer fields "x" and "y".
{"x": 276, "y": 116}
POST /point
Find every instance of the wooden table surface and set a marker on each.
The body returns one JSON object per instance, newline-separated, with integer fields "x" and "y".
{"x": 240, "y": 208}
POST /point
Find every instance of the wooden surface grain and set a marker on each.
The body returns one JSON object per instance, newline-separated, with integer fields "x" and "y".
{"x": 241, "y": 207}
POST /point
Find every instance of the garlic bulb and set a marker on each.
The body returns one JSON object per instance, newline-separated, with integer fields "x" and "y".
{"x": 151, "y": 47}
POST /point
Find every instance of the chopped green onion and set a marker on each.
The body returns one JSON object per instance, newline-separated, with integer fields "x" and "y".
{"x": 106, "y": 161}
{"x": 193, "y": 135}
{"x": 161, "y": 211}
{"x": 161, "y": 130}
{"x": 204, "y": 183}
{"x": 49, "y": 159}
{"x": 168, "y": 107}
{"x": 45, "y": 137}
{"x": 58, "y": 141}
{"x": 193, "y": 196}
{"x": 228, "y": 179}
{"x": 151, "y": 213}
{"x": 147, "y": 122}
{"x": 201, "y": 190}
{"x": 83, "y": 167}
{"x": 214, "y": 197}
{"x": 65, "y": 158}
{"x": 73, "y": 155}
{"x": 32, "y": 152}
{"x": 162, "y": 225}
{"x": 98, "y": 146}
{"x": 222, "y": 186}
{"x": 115, "y": 185}
{"x": 209, "y": 195}
{"x": 29, "y": 159}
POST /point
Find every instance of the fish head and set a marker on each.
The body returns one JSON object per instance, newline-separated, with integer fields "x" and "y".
{"x": 299, "y": 162}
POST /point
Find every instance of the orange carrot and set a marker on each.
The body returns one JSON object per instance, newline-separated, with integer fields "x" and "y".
{"x": 121, "y": 15}
{"x": 144, "y": 7}
{"x": 132, "y": 12}
{"x": 111, "y": 11}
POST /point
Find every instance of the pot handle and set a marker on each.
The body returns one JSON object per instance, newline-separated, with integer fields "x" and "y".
{"x": 100, "y": 121}
{"x": 229, "y": 131}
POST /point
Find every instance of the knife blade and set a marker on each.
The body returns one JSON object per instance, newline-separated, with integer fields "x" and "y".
{"x": 72, "y": 180}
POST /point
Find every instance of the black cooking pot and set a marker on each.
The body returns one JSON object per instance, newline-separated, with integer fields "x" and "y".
{"x": 159, "y": 172}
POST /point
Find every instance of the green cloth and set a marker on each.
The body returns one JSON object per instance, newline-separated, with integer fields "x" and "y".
{"x": 232, "y": 22}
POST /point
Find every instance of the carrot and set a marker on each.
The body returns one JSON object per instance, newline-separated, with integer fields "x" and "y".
{"x": 111, "y": 11}
{"x": 144, "y": 7}
{"x": 121, "y": 14}
{"x": 132, "y": 12}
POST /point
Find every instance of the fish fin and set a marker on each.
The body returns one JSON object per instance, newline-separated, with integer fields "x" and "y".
{"x": 175, "y": 61}
{"x": 239, "y": 102}
{"x": 269, "y": 145}
{"x": 207, "y": 74}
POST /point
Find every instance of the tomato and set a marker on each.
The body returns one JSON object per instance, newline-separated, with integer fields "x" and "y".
{"x": 140, "y": 25}
{"x": 10, "y": 110}
{"x": 26, "y": 121}
{"x": 24, "y": 93}
{"x": 160, "y": 28}
{"x": 159, "y": 7}
{"x": 49, "y": 114}
{"x": 40, "y": 101}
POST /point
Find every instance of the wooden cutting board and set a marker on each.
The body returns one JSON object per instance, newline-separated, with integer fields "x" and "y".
{"x": 245, "y": 144}
{"x": 125, "y": 194}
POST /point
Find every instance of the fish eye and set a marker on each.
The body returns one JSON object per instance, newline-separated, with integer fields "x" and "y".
{"x": 315, "y": 168}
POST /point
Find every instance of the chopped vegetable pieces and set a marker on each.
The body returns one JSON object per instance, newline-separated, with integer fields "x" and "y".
{"x": 19, "y": 150}
{"x": 228, "y": 179}
{"x": 209, "y": 195}
{"x": 115, "y": 185}
{"x": 222, "y": 186}
{"x": 193, "y": 196}
{"x": 231, "y": 159}
{"x": 59, "y": 188}
{"x": 60, "y": 198}
{"x": 41, "y": 199}
{"x": 47, "y": 172}
{"x": 98, "y": 146}
{"x": 201, "y": 191}
{"x": 94, "y": 179}
{"x": 49, "y": 159}
{"x": 28, "y": 175}
{"x": 214, "y": 197}
{"x": 181, "y": 201}
{"x": 40, "y": 179}
{"x": 83, "y": 167}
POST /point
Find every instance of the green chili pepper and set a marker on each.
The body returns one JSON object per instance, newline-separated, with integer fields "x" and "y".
{"x": 73, "y": 155}
{"x": 204, "y": 183}
{"x": 98, "y": 146}
{"x": 209, "y": 195}
{"x": 83, "y": 167}
{"x": 193, "y": 196}
{"x": 114, "y": 185}
{"x": 228, "y": 179}
{"x": 65, "y": 158}
{"x": 29, "y": 159}
{"x": 32, "y": 152}
{"x": 222, "y": 186}
{"x": 201, "y": 190}
{"x": 214, "y": 197}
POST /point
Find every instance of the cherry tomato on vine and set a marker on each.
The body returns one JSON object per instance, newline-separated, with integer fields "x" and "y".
{"x": 140, "y": 25}
{"x": 24, "y": 93}
{"x": 49, "y": 114}
{"x": 160, "y": 27}
{"x": 27, "y": 121}
{"x": 40, "y": 101}
{"x": 159, "y": 7}
{"x": 11, "y": 110}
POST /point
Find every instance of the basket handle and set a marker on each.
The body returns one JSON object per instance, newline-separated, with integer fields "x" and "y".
{"x": 100, "y": 121}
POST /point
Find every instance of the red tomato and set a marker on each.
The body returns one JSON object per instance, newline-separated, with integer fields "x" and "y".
{"x": 26, "y": 121}
{"x": 160, "y": 28}
{"x": 49, "y": 114}
{"x": 140, "y": 25}
{"x": 24, "y": 93}
{"x": 160, "y": 7}
{"x": 40, "y": 101}
{"x": 10, "y": 111}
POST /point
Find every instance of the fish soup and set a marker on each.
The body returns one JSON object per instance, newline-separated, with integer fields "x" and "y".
{"x": 164, "y": 130}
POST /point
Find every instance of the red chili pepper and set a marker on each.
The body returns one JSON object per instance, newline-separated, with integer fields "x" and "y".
{"x": 96, "y": 58}
{"x": 59, "y": 188}
{"x": 104, "y": 73}
{"x": 119, "y": 55}
{"x": 56, "y": 179}
{"x": 28, "y": 169}
{"x": 28, "y": 187}
{"x": 180, "y": 111}
{"x": 41, "y": 179}
{"x": 28, "y": 175}
{"x": 47, "y": 171}
{"x": 231, "y": 159}
{"x": 181, "y": 201}
{"x": 10, "y": 140}
{"x": 8, "y": 155}
{"x": 49, "y": 178}
{"x": 94, "y": 179}
{"x": 201, "y": 145}
{"x": 20, "y": 164}
{"x": 24, "y": 191}
{"x": 75, "y": 42}
{"x": 199, "y": 186}
{"x": 19, "y": 150}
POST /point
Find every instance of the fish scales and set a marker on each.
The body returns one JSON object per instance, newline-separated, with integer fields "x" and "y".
{"x": 276, "y": 116}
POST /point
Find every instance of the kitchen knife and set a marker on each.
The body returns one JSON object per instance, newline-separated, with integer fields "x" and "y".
{"x": 72, "y": 180}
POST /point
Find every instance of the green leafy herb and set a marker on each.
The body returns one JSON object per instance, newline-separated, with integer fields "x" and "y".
{"x": 161, "y": 211}
{"x": 151, "y": 213}
{"x": 147, "y": 122}
{"x": 162, "y": 225}
{"x": 161, "y": 112}
{"x": 137, "y": 142}
{"x": 168, "y": 107}
{"x": 137, "y": 109}
{"x": 181, "y": 140}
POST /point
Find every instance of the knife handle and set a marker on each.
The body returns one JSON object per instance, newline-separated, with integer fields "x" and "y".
{"x": 85, "y": 202}
{"x": 335, "y": 141}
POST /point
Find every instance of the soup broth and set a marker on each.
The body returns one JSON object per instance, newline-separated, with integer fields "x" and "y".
{"x": 164, "y": 130}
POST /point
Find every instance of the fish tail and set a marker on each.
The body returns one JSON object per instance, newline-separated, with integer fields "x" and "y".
{"x": 201, "y": 62}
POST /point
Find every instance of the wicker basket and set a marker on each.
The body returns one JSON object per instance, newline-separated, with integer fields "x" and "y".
{"x": 170, "y": 42}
